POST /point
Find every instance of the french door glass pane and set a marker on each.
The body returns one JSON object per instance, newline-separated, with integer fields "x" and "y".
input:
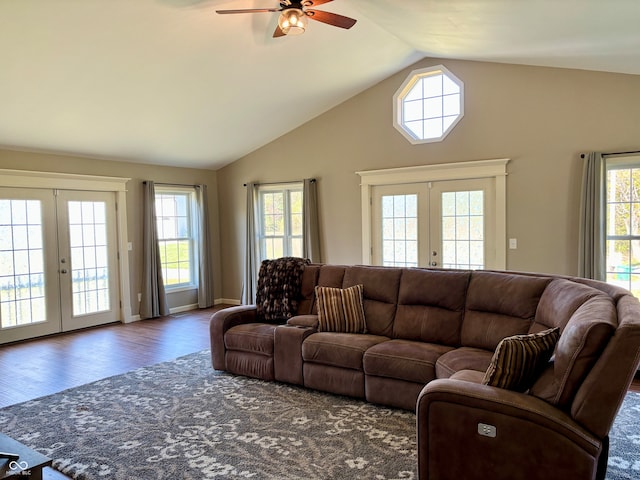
{"x": 463, "y": 229}
{"x": 89, "y": 260}
{"x": 22, "y": 279}
{"x": 400, "y": 230}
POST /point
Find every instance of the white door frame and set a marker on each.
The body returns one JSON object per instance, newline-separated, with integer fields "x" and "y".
{"x": 496, "y": 168}
{"x": 68, "y": 181}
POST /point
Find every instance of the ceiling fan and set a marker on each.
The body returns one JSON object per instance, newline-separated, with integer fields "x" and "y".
{"x": 294, "y": 15}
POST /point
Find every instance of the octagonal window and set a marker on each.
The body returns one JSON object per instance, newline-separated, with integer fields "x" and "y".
{"x": 428, "y": 104}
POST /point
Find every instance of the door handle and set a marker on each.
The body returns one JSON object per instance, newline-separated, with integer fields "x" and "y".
{"x": 433, "y": 264}
{"x": 64, "y": 270}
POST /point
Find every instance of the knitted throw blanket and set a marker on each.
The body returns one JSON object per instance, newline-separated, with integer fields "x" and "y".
{"x": 279, "y": 287}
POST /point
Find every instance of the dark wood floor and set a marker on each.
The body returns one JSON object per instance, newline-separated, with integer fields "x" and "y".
{"x": 51, "y": 364}
{"x": 48, "y": 365}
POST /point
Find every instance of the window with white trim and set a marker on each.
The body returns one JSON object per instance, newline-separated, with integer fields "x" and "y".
{"x": 623, "y": 223}
{"x": 428, "y": 105}
{"x": 280, "y": 210}
{"x": 175, "y": 216}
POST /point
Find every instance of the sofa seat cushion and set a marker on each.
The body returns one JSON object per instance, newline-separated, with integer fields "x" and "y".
{"x": 464, "y": 358}
{"x": 343, "y": 350}
{"x": 472, "y": 376}
{"x": 404, "y": 360}
{"x": 251, "y": 337}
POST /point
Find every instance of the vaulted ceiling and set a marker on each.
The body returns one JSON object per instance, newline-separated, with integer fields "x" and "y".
{"x": 171, "y": 82}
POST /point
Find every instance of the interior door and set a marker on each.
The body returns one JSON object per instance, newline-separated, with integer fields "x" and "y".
{"x": 447, "y": 224}
{"x": 87, "y": 258}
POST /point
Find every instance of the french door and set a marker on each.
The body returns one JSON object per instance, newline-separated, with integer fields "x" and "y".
{"x": 449, "y": 224}
{"x": 58, "y": 261}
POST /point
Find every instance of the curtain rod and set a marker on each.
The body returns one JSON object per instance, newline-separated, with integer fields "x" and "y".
{"x": 616, "y": 153}
{"x": 172, "y": 184}
{"x": 313, "y": 180}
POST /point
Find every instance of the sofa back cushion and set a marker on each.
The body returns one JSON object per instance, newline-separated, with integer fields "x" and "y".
{"x": 559, "y": 302}
{"x": 380, "y": 295}
{"x": 499, "y": 305}
{"x": 307, "y": 289}
{"x": 327, "y": 276}
{"x": 583, "y": 338}
{"x": 431, "y": 306}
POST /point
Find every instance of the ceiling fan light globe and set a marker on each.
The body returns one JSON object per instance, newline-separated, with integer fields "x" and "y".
{"x": 293, "y": 21}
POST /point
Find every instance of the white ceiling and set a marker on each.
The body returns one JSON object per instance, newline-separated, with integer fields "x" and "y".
{"x": 171, "y": 82}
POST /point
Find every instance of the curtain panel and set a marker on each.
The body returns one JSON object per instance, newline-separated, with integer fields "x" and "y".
{"x": 154, "y": 300}
{"x": 250, "y": 280}
{"x": 205, "y": 271}
{"x": 311, "y": 224}
{"x": 592, "y": 234}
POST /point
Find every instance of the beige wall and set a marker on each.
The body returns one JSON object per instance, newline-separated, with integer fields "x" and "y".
{"x": 137, "y": 172}
{"x": 541, "y": 118}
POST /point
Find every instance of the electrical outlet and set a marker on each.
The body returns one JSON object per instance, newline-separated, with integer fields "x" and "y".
{"x": 139, "y": 297}
{"x": 513, "y": 243}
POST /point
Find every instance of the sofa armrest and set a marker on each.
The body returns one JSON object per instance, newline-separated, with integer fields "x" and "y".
{"x": 220, "y": 322}
{"x": 304, "y": 321}
{"x": 472, "y": 431}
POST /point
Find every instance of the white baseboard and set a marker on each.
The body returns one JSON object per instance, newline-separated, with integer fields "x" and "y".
{"x": 183, "y": 308}
{"x": 228, "y": 301}
{"x": 193, "y": 306}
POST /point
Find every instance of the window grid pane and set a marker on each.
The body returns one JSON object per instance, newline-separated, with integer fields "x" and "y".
{"x": 89, "y": 257}
{"x": 281, "y": 222}
{"x": 463, "y": 229}
{"x": 430, "y": 103}
{"x": 623, "y": 228}
{"x": 22, "y": 280}
{"x": 400, "y": 230}
{"x": 175, "y": 237}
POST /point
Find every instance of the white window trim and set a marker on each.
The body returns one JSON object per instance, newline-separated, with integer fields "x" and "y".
{"x": 496, "y": 168}
{"x": 404, "y": 89}
{"x": 68, "y": 181}
{"x": 193, "y": 283}
{"x": 615, "y": 162}
{"x": 275, "y": 187}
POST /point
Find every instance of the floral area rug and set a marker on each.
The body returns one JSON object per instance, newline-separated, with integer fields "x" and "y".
{"x": 624, "y": 451}
{"x": 183, "y": 420}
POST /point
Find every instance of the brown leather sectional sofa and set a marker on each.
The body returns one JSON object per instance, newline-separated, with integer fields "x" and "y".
{"x": 431, "y": 335}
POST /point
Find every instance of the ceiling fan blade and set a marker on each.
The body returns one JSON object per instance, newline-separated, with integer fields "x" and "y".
{"x": 250, "y": 10}
{"x": 278, "y": 32}
{"x": 315, "y": 3}
{"x": 331, "y": 18}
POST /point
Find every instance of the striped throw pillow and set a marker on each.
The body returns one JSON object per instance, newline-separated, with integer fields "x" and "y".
{"x": 518, "y": 360}
{"x": 340, "y": 310}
